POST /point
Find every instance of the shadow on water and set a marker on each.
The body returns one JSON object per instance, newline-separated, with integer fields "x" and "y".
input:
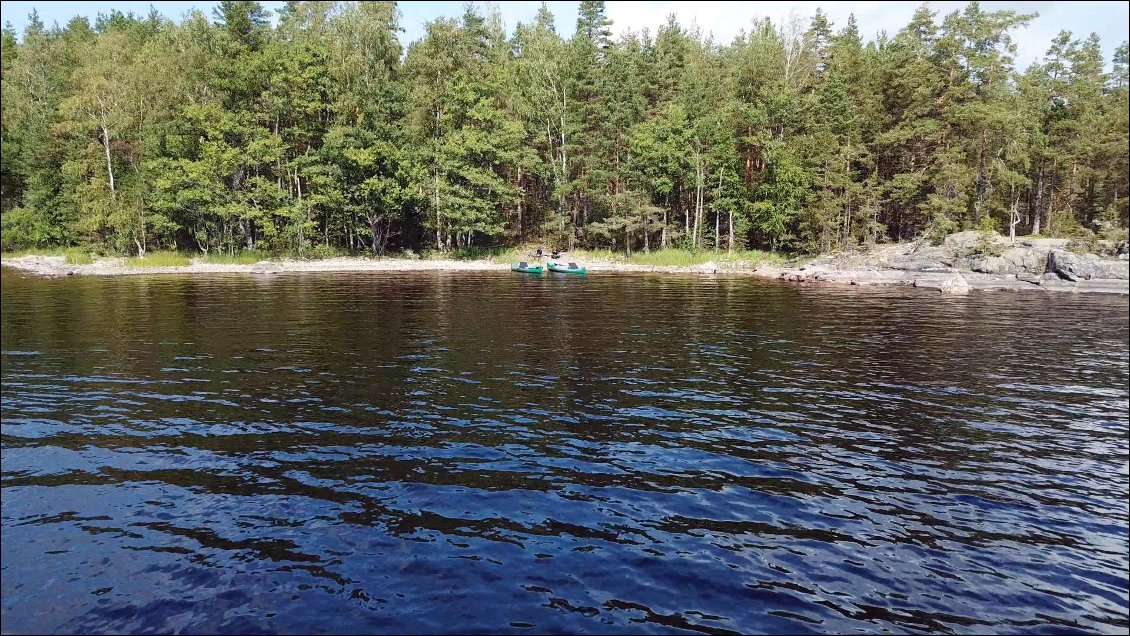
{"x": 486, "y": 452}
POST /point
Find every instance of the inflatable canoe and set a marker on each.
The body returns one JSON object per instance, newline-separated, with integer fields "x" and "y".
{"x": 566, "y": 268}
{"x": 526, "y": 268}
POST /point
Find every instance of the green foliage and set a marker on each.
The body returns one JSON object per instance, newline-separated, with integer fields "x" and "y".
{"x": 325, "y": 251}
{"x": 988, "y": 245}
{"x": 940, "y": 226}
{"x": 988, "y": 225}
{"x": 23, "y": 227}
{"x": 317, "y": 135}
{"x": 677, "y": 257}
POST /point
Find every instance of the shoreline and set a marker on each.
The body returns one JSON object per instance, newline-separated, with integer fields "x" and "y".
{"x": 57, "y": 267}
{"x": 871, "y": 271}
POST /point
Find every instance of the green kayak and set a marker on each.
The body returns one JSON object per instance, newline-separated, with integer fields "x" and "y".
{"x": 566, "y": 268}
{"x": 526, "y": 268}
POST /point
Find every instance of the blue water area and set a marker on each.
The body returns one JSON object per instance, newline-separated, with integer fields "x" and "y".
{"x": 455, "y": 452}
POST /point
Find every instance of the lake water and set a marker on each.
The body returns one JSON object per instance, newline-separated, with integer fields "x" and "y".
{"x": 458, "y": 452}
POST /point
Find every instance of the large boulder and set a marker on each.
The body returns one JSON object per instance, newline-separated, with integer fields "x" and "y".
{"x": 1024, "y": 259}
{"x": 957, "y": 286}
{"x": 1068, "y": 266}
{"x": 1014, "y": 260}
{"x": 1073, "y": 267}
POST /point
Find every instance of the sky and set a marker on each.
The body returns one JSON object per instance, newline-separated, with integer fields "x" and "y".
{"x": 1111, "y": 20}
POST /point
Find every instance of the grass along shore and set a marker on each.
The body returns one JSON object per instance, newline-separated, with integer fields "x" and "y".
{"x": 76, "y": 261}
{"x": 965, "y": 261}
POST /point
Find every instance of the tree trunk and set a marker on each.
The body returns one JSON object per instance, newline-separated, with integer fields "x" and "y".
{"x": 301, "y": 238}
{"x": 439, "y": 219}
{"x": 698, "y": 183}
{"x": 1039, "y": 205}
{"x": 1014, "y": 220}
{"x": 718, "y": 217}
{"x": 109, "y": 164}
{"x": 982, "y": 182}
{"x": 730, "y": 243}
{"x": 686, "y": 215}
{"x": 646, "y": 242}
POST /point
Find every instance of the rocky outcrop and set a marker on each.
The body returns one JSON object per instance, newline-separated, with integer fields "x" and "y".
{"x": 1074, "y": 267}
{"x": 971, "y": 241}
{"x": 973, "y": 261}
{"x": 1015, "y": 260}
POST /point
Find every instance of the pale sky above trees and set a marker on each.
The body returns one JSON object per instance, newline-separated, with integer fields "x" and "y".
{"x": 1111, "y": 20}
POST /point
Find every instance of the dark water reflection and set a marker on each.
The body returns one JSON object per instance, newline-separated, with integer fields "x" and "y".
{"x": 465, "y": 452}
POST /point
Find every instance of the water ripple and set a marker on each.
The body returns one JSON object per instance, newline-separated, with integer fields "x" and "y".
{"x": 460, "y": 453}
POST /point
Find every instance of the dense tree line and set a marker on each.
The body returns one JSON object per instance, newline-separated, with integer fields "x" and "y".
{"x": 318, "y": 131}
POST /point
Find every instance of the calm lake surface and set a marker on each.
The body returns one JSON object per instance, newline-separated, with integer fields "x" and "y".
{"x": 439, "y": 452}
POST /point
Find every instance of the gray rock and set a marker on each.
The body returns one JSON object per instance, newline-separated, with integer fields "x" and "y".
{"x": 1052, "y": 282}
{"x": 1045, "y": 243}
{"x": 923, "y": 258}
{"x": 266, "y": 267}
{"x": 994, "y": 282}
{"x": 932, "y": 280}
{"x": 1104, "y": 286}
{"x": 1029, "y": 277}
{"x": 992, "y": 265}
{"x": 956, "y": 286}
{"x": 1111, "y": 269}
{"x": 1021, "y": 259}
{"x": 880, "y": 277}
{"x": 962, "y": 241}
{"x": 968, "y": 241}
{"x": 1073, "y": 267}
{"x": 1067, "y": 266}
{"x": 921, "y": 265}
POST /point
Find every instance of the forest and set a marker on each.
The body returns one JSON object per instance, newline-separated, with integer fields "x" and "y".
{"x": 314, "y": 132}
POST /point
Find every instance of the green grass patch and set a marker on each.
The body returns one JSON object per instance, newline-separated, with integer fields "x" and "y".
{"x": 159, "y": 259}
{"x": 72, "y": 255}
{"x": 35, "y": 251}
{"x": 76, "y": 256}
